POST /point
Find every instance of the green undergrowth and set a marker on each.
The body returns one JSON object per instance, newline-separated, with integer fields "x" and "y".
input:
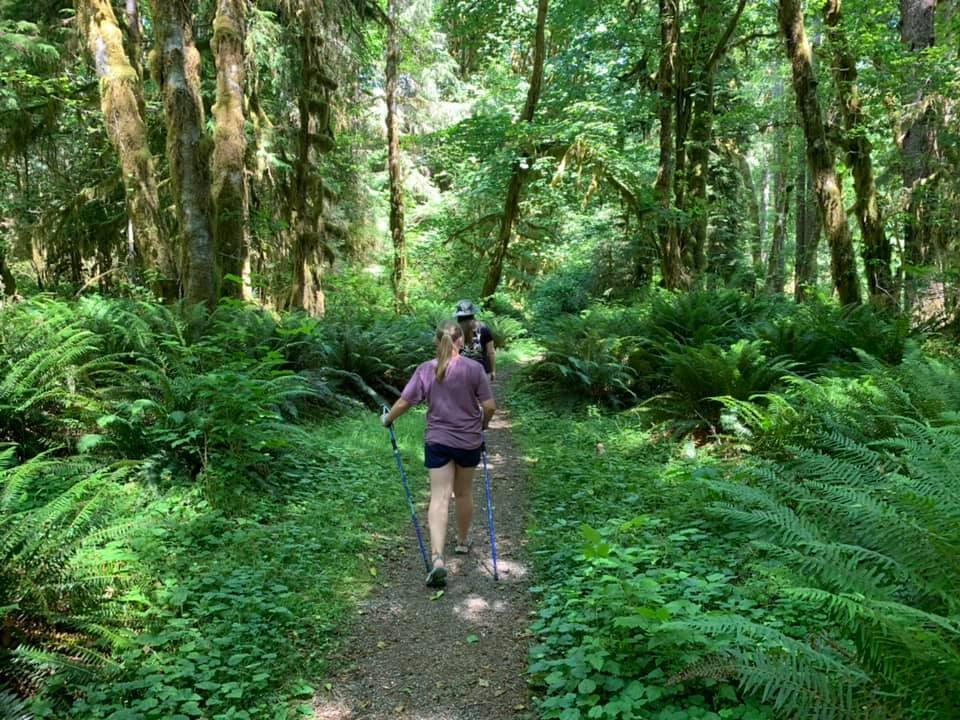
{"x": 237, "y": 612}
{"x": 619, "y": 554}
{"x": 796, "y": 568}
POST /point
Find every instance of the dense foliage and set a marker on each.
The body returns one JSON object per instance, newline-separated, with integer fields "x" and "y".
{"x": 162, "y": 502}
{"x": 799, "y": 565}
{"x": 745, "y": 497}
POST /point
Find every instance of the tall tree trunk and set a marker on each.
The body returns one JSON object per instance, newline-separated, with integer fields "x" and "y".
{"x": 399, "y": 276}
{"x": 128, "y": 134}
{"x": 819, "y": 155}
{"x": 701, "y": 135}
{"x": 753, "y": 207}
{"x": 309, "y": 193}
{"x": 135, "y": 43}
{"x": 876, "y": 246}
{"x": 701, "y": 139}
{"x": 229, "y": 194}
{"x": 807, "y": 233}
{"x": 764, "y": 214}
{"x": 512, "y": 202}
{"x": 8, "y": 284}
{"x": 671, "y": 261}
{"x": 177, "y": 70}
{"x": 776, "y": 260}
{"x": 917, "y": 34}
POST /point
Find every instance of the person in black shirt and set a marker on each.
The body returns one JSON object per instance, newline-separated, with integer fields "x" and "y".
{"x": 477, "y": 339}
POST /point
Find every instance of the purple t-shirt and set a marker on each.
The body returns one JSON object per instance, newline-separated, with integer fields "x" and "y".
{"x": 454, "y": 417}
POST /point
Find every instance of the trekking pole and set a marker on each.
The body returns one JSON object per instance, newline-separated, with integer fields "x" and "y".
{"x": 406, "y": 489}
{"x": 493, "y": 535}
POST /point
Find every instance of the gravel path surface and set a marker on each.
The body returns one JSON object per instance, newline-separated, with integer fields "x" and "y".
{"x": 412, "y": 655}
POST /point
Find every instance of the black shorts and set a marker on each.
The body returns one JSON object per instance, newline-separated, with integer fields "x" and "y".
{"x": 436, "y": 456}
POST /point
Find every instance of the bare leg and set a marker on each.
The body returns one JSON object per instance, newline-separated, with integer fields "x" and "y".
{"x": 463, "y": 487}
{"x": 441, "y": 485}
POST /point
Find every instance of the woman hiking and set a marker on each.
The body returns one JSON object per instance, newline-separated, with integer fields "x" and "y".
{"x": 478, "y": 340}
{"x": 459, "y": 407}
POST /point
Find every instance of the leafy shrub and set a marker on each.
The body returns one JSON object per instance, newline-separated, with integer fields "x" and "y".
{"x": 231, "y": 419}
{"x": 564, "y": 292}
{"x": 817, "y": 334}
{"x": 502, "y": 305}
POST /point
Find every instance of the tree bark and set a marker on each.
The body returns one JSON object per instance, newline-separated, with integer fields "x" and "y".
{"x": 701, "y": 139}
{"x": 229, "y": 193}
{"x": 776, "y": 260}
{"x": 807, "y": 233}
{"x": 8, "y": 284}
{"x": 135, "y": 42}
{"x": 819, "y": 155}
{"x": 309, "y": 193}
{"x": 671, "y": 262}
{"x": 917, "y": 34}
{"x": 512, "y": 203}
{"x": 753, "y": 208}
{"x": 128, "y": 134}
{"x": 177, "y": 70}
{"x": 399, "y": 276}
{"x": 876, "y": 247}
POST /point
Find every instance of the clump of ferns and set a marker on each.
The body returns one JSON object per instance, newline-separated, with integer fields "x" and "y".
{"x": 50, "y": 367}
{"x": 868, "y": 534}
{"x": 63, "y": 569}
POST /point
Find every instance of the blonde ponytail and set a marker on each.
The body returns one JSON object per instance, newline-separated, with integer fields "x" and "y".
{"x": 447, "y": 335}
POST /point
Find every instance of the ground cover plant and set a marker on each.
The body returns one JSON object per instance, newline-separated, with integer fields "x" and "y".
{"x": 674, "y": 355}
{"x": 166, "y": 503}
{"x": 764, "y": 575}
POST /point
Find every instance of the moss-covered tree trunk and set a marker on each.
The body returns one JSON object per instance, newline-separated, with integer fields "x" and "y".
{"x": 776, "y": 259}
{"x": 176, "y": 66}
{"x": 701, "y": 140}
{"x": 876, "y": 247}
{"x": 754, "y": 226}
{"x": 309, "y": 194}
{"x": 8, "y": 284}
{"x": 228, "y": 191}
{"x": 135, "y": 44}
{"x": 826, "y": 183}
{"x": 399, "y": 276}
{"x": 512, "y": 202}
{"x": 807, "y": 231}
{"x": 671, "y": 262}
{"x": 128, "y": 134}
{"x": 917, "y": 34}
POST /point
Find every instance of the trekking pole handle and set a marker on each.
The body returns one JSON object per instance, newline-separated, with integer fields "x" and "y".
{"x": 393, "y": 437}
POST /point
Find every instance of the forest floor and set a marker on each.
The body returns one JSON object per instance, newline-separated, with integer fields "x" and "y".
{"x": 413, "y": 653}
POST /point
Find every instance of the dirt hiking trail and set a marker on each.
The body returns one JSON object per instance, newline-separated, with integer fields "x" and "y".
{"x": 411, "y": 655}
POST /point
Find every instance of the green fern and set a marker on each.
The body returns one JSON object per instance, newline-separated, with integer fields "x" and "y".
{"x": 62, "y": 556}
{"x": 871, "y": 536}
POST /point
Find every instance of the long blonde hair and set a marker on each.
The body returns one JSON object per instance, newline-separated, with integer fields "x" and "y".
{"x": 446, "y": 338}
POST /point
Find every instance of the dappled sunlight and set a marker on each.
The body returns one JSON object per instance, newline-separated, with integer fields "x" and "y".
{"x": 508, "y": 569}
{"x": 473, "y": 607}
